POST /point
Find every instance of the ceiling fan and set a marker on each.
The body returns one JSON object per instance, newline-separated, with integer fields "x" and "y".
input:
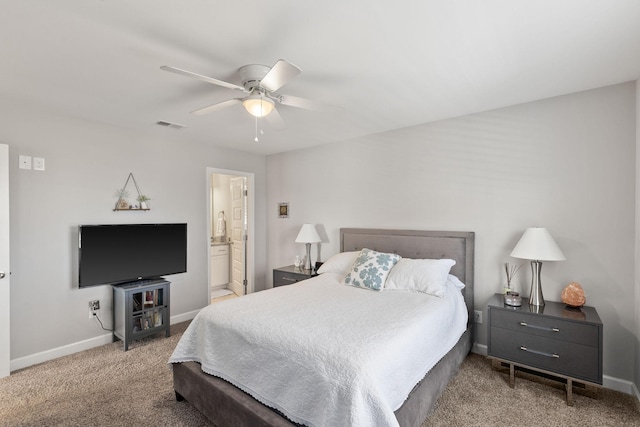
{"x": 259, "y": 83}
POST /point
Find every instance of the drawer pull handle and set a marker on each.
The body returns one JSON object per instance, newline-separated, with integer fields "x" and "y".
{"x": 288, "y": 279}
{"x": 544, "y": 328}
{"x": 541, "y": 353}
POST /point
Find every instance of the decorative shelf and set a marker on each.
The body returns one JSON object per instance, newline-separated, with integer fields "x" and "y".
{"x": 122, "y": 197}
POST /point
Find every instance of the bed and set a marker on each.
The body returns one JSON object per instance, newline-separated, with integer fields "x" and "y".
{"x": 228, "y": 405}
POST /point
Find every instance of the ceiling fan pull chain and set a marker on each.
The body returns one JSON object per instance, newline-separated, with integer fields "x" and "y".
{"x": 256, "y": 130}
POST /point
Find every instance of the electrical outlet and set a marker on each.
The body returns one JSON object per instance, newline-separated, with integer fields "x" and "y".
{"x": 93, "y": 307}
{"x": 477, "y": 316}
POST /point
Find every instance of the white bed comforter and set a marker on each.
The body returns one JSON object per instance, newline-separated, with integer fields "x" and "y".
{"x": 323, "y": 353}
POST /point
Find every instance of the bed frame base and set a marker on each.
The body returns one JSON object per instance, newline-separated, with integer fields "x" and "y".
{"x": 221, "y": 402}
{"x": 424, "y": 396}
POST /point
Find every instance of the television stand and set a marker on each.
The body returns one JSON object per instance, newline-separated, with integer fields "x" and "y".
{"x": 140, "y": 309}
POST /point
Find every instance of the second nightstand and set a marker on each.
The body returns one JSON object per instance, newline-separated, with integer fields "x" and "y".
{"x": 289, "y": 275}
{"x": 555, "y": 339}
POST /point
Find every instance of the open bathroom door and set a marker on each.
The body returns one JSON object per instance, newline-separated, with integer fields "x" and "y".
{"x": 239, "y": 235}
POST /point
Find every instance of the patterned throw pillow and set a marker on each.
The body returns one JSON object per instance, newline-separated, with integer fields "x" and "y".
{"x": 371, "y": 269}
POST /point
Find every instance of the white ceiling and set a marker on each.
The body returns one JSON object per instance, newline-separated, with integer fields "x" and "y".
{"x": 387, "y": 65}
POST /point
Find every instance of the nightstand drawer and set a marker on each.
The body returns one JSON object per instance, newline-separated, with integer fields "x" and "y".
{"x": 289, "y": 275}
{"x": 520, "y": 322}
{"x": 281, "y": 278}
{"x": 566, "y": 358}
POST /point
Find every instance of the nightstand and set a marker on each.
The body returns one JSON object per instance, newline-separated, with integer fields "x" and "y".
{"x": 553, "y": 340}
{"x": 289, "y": 275}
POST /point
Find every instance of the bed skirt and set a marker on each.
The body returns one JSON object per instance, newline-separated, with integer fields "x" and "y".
{"x": 226, "y": 405}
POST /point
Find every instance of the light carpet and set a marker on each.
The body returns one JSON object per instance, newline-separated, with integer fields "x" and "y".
{"x": 106, "y": 386}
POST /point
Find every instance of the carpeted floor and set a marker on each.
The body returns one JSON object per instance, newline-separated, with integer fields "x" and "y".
{"x": 481, "y": 396}
{"x": 106, "y": 386}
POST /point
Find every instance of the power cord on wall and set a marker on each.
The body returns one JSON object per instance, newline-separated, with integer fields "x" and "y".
{"x": 100, "y": 321}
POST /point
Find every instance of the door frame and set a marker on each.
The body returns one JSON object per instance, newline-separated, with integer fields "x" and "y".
{"x": 5, "y": 265}
{"x": 250, "y": 247}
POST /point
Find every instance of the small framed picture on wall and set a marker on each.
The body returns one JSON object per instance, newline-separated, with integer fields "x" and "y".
{"x": 283, "y": 210}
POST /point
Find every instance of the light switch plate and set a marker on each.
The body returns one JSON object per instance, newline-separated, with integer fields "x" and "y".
{"x": 25, "y": 162}
{"x": 38, "y": 163}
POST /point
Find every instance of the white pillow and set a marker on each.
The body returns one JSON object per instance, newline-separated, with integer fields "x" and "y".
{"x": 453, "y": 280}
{"x": 339, "y": 263}
{"x": 371, "y": 269}
{"x": 422, "y": 275}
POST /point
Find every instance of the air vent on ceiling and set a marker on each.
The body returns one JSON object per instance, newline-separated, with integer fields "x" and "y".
{"x": 170, "y": 125}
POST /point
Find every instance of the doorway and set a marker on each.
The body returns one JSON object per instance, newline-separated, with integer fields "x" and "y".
{"x": 230, "y": 226}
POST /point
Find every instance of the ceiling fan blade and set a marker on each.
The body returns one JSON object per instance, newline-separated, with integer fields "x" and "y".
{"x": 275, "y": 120}
{"x": 203, "y": 78}
{"x": 279, "y": 75}
{"x": 307, "y": 104}
{"x": 216, "y": 107}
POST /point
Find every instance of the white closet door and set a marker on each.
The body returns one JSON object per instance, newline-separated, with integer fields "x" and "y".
{"x": 4, "y": 262}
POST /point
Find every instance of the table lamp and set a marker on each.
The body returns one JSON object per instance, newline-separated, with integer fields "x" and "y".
{"x": 308, "y": 235}
{"x": 537, "y": 245}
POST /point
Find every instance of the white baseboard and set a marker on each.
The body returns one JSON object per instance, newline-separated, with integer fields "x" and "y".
{"x": 65, "y": 350}
{"x": 184, "y": 317}
{"x": 480, "y": 349}
{"x": 612, "y": 383}
{"x": 620, "y": 385}
{"x": 637, "y": 395}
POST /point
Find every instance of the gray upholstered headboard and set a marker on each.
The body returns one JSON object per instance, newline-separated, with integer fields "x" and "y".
{"x": 456, "y": 245}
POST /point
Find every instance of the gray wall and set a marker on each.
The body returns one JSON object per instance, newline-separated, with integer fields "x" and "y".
{"x": 85, "y": 163}
{"x": 566, "y": 163}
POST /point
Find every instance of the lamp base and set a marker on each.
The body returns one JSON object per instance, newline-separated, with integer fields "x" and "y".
{"x": 535, "y": 296}
{"x": 307, "y": 263}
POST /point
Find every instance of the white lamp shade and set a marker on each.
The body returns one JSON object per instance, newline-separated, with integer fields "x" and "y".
{"x": 537, "y": 244}
{"x": 308, "y": 234}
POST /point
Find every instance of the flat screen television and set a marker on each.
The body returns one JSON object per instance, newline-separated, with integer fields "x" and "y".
{"x": 121, "y": 253}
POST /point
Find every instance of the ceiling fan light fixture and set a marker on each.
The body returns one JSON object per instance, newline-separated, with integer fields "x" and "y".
{"x": 258, "y": 106}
